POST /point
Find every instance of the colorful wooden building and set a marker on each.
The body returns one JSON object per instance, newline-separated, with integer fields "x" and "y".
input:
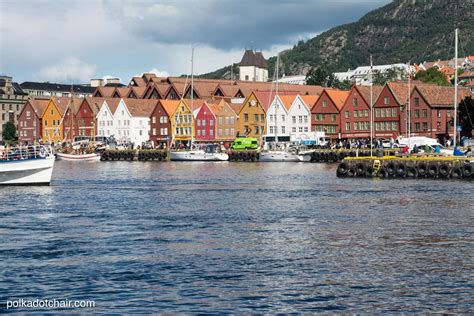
{"x": 326, "y": 112}
{"x": 161, "y": 122}
{"x": 29, "y": 121}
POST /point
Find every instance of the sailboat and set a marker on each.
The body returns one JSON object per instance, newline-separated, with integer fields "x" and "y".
{"x": 80, "y": 151}
{"x": 209, "y": 152}
{"x": 276, "y": 154}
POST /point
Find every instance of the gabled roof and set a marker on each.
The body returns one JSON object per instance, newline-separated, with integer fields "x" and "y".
{"x": 139, "y": 82}
{"x": 260, "y": 60}
{"x": 105, "y": 92}
{"x": 39, "y": 105}
{"x": 236, "y": 107}
{"x": 140, "y": 107}
{"x": 440, "y": 96}
{"x": 139, "y": 91}
{"x": 467, "y": 74}
{"x": 170, "y": 106}
{"x": 123, "y": 91}
{"x": 287, "y": 100}
{"x": 265, "y": 98}
{"x": 338, "y": 97}
{"x": 65, "y": 103}
{"x": 399, "y": 90}
{"x": 364, "y": 92}
{"x": 309, "y": 100}
{"x": 95, "y": 104}
{"x": 113, "y": 104}
{"x": 216, "y": 108}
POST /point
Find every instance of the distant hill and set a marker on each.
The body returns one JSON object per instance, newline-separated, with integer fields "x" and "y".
{"x": 402, "y": 31}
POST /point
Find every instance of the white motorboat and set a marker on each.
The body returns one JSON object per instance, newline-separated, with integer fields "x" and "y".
{"x": 279, "y": 156}
{"x": 26, "y": 166}
{"x": 208, "y": 153}
{"x": 79, "y": 157}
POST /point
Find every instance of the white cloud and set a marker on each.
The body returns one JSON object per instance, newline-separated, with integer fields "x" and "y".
{"x": 68, "y": 69}
{"x": 159, "y": 73}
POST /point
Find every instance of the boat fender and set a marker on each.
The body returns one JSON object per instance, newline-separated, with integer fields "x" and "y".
{"x": 456, "y": 173}
{"x": 412, "y": 172}
{"x": 422, "y": 169}
{"x": 351, "y": 172}
{"x": 342, "y": 169}
{"x": 467, "y": 170}
{"x": 444, "y": 170}
{"x": 369, "y": 172}
{"x": 401, "y": 170}
{"x": 361, "y": 169}
{"x": 383, "y": 173}
{"x": 433, "y": 171}
{"x": 391, "y": 168}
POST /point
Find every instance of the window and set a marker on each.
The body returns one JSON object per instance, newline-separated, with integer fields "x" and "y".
{"x": 52, "y": 110}
{"x": 394, "y": 112}
{"x": 377, "y": 113}
{"x": 232, "y": 131}
{"x": 305, "y": 128}
{"x": 394, "y": 126}
{"x": 438, "y": 126}
{"x": 361, "y": 113}
{"x": 262, "y": 117}
{"x": 424, "y": 113}
{"x": 283, "y": 130}
{"x": 154, "y": 131}
{"x": 199, "y": 132}
{"x": 356, "y": 126}
{"x": 211, "y": 122}
{"x": 293, "y": 119}
{"x": 232, "y": 120}
{"x": 153, "y": 119}
{"x": 325, "y": 103}
{"x": 246, "y": 117}
{"x": 425, "y": 126}
{"x": 203, "y": 122}
{"x": 346, "y": 114}
{"x": 300, "y": 119}
{"x": 417, "y": 127}
{"x": 348, "y": 126}
{"x": 282, "y": 117}
{"x": 255, "y": 117}
{"x": 438, "y": 113}
{"x": 382, "y": 112}
{"x": 246, "y": 128}
{"x": 219, "y": 120}
{"x": 271, "y": 117}
{"x": 203, "y": 132}
{"x": 300, "y": 129}
{"x": 355, "y": 113}
{"x": 355, "y": 102}
{"x": 293, "y": 129}
{"x": 417, "y": 113}
{"x": 417, "y": 101}
{"x": 333, "y": 117}
{"x": 256, "y": 129}
{"x": 305, "y": 118}
{"x": 219, "y": 132}
{"x": 386, "y": 101}
{"x": 141, "y": 132}
{"x": 198, "y": 122}
{"x": 211, "y": 132}
{"x": 226, "y": 120}
{"x": 272, "y": 130}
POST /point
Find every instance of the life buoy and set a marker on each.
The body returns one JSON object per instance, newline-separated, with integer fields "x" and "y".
{"x": 42, "y": 152}
{"x": 444, "y": 170}
{"x": 456, "y": 173}
{"x": 467, "y": 170}
{"x": 422, "y": 169}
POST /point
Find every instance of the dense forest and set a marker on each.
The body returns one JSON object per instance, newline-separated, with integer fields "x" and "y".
{"x": 402, "y": 31}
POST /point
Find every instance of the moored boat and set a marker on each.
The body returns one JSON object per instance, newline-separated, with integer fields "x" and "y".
{"x": 279, "y": 156}
{"x": 32, "y": 165}
{"x": 207, "y": 153}
{"x": 79, "y": 157}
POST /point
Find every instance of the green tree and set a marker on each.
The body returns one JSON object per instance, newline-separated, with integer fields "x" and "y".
{"x": 317, "y": 77}
{"x": 9, "y": 132}
{"x": 395, "y": 73}
{"x": 432, "y": 75}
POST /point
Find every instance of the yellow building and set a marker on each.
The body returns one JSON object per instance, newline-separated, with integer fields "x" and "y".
{"x": 52, "y": 119}
{"x": 251, "y": 121}
{"x": 182, "y": 123}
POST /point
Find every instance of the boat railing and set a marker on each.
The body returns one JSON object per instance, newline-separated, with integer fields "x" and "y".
{"x": 24, "y": 152}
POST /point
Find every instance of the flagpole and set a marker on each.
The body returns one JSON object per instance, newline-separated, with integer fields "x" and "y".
{"x": 455, "y": 87}
{"x": 409, "y": 112}
{"x": 371, "y": 108}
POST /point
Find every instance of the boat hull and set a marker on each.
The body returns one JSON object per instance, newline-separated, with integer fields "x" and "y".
{"x": 84, "y": 157}
{"x": 27, "y": 172}
{"x": 276, "y": 156}
{"x": 197, "y": 156}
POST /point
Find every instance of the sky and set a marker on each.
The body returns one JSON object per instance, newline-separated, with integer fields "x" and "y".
{"x": 68, "y": 41}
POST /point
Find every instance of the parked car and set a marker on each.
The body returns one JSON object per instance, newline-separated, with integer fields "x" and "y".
{"x": 245, "y": 143}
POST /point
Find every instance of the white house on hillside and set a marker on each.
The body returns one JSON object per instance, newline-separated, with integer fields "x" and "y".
{"x": 299, "y": 117}
{"x": 361, "y": 75}
{"x": 253, "y": 67}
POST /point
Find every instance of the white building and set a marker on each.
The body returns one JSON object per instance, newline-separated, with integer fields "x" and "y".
{"x": 253, "y": 67}
{"x": 292, "y": 80}
{"x": 105, "y": 117}
{"x": 361, "y": 75}
{"x": 299, "y": 117}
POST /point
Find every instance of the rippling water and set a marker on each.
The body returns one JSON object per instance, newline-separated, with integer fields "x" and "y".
{"x": 237, "y": 237}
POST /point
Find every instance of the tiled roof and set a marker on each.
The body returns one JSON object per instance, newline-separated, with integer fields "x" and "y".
{"x": 364, "y": 92}
{"x": 105, "y": 91}
{"x": 113, "y": 104}
{"x": 309, "y": 100}
{"x": 338, "y": 97}
{"x": 139, "y": 91}
{"x": 39, "y": 105}
{"x": 216, "y": 108}
{"x": 95, "y": 104}
{"x": 236, "y": 107}
{"x": 261, "y": 62}
{"x": 140, "y": 107}
{"x": 265, "y": 98}
{"x": 57, "y": 87}
{"x": 399, "y": 90}
{"x": 123, "y": 92}
{"x": 287, "y": 100}
{"x": 467, "y": 74}
{"x": 139, "y": 81}
{"x": 63, "y": 103}
{"x": 441, "y": 96}
{"x": 170, "y": 106}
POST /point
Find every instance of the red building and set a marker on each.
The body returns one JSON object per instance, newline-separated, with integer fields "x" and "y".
{"x": 69, "y": 120}
{"x": 355, "y": 113}
{"x": 431, "y": 111}
{"x": 86, "y": 116}
{"x": 160, "y": 122}
{"x": 325, "y": 113}
{"x": 205, "y": 128}
{"x": 29, "y": 120}
{"x": 387, "y": 108}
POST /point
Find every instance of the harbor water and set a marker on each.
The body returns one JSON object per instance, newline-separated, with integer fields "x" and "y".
{"x": 140, "y": 237}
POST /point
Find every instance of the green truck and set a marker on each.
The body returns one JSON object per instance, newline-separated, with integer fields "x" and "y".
{"x": 245, "y": 143}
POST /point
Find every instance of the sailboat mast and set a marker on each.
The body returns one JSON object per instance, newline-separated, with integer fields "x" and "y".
{"x": 276, "y": 94}
{"x": 371, "y": 108}
{"x": 192, "y": 95}
{"x": 455, "y": 86}
{"x": 409, "y": 110}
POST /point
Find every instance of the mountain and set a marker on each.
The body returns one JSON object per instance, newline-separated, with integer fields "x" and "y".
{"x": 402, "y": 31}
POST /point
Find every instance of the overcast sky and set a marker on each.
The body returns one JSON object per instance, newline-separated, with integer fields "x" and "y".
{"x": 74, "y": 41}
